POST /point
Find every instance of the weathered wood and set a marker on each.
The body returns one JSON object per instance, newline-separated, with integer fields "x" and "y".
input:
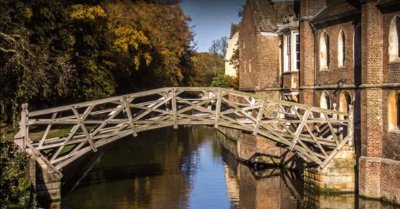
{"x": 174, "y": 108}
{"x": 259, "y": 116}
{"x": 291, "y": 124}
{"x": 126, "y": 102}
{"x": 300, "y": 128}
{"x": 47, "y": 130}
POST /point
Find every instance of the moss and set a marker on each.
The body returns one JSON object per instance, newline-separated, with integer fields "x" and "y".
{"x": 383, "y": 199}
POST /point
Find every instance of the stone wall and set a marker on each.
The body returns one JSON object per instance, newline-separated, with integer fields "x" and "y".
{"x": 338, "y": 176}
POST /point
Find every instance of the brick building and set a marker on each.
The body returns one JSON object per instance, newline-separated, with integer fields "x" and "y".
{"x": 231, "y": 47}
{"x": 263, "y": 26}
{"x": 346, "y": 53}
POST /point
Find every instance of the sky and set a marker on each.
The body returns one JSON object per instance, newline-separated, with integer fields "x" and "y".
{"x": 211, "y": 19}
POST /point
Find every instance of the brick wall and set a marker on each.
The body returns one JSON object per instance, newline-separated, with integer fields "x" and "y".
{"x": 306, "y": 54}
{"x": 334, "y": 73}
{"x": 391, "y": 142}
{"x": 379, "y": 162}
{"x": 248, "y": 51}
{"x": 311, "y": 7}
{"x": 391, "y": 70}
{"x": 267, "y": 69}
{"x": 306, "y": 74}
{"x": 290, "y": 80}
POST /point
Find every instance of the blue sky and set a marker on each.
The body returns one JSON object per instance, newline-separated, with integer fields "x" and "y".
{"x": 211, "y": 19}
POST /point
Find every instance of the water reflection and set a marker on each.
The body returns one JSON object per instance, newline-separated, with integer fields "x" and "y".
{"x": 185, "y": 168}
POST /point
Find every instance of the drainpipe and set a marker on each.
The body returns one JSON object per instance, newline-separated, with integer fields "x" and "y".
{"x": 314, "y": 30}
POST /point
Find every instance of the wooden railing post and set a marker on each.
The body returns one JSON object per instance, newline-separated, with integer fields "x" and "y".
{"x": 259, "y": 117}
{"x": 350, "y": 125}
{"x": 24, "y": 125}
{"x": 174, "y": 108}
{"x": 128, "y": 112}
{"x": 217, "y": 108}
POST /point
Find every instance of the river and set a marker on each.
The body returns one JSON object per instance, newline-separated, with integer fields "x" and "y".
{"x": 186, "y": 168}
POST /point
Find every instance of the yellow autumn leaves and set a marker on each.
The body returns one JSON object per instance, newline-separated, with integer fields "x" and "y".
{"x": 125, "y": 37}
{"x": 81, "y": 12}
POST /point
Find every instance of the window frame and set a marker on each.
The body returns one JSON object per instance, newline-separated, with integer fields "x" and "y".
{"x": 341, "y": 49}
{"x": 324, "y": 42}
{"x": 394, "y": 40}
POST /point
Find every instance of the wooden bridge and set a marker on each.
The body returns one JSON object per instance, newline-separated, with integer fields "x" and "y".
{"x": 58, "y": 136}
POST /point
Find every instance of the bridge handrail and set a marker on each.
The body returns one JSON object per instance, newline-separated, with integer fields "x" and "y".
{"x": 315, "y": 139}
{"x": 155, "y": 91}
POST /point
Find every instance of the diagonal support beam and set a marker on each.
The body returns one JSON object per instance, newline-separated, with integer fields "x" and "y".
{"x": 126, "y": 102}
{"x": 217, "y": 108}
{"x": 259, "y": 117}
{"x": 300, "y": 128}
{"x": 174, "y": 108}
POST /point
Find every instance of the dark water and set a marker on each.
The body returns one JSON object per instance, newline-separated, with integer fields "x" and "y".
{"x": 185, "y": 168}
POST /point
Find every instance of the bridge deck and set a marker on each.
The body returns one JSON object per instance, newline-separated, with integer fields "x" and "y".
{"x": 58, "y": 136}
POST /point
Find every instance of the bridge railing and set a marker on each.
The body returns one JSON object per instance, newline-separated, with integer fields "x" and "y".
{"x": 59, "y": 135}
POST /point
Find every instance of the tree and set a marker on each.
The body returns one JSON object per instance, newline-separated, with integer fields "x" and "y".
{"x": 219, "y": 46}
{"x": 56, "y": 52}
{"x": 15, "y": 189}
{"x": 207, "y": 66}
{"x": 224, "y": 81}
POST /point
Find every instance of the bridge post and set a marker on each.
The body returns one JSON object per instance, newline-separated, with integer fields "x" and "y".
{"x": 338, "y": 175}
{"x": 174, "y": 108}
{"x": 217, "y": 108}
{"x": 23, "y": 125}
{"x": 350, "y": 125}
{"x": 48, "y": 182}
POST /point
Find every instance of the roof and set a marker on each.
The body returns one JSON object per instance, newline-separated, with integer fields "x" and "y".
{"x": 263, "y": 15}
{"x": 267, "y": 14}
{"x": 336, "y": 9}
{"x": 234, "y": 29}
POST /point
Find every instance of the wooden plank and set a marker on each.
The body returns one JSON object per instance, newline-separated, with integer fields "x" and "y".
{"x": 71, "y": 134}
{"x": 174, "y": 108}
{"x": 332, "y": 130}
{"x": 126, "y": 102}
{"x": 259, "y": 117}
{"x": 300, "y": 128}
{"x": 97, "y": 102}
{"x": 83, "y": 127}
{"x": 47, "y": 130}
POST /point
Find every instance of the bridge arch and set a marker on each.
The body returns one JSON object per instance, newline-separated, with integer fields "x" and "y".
{"x": 86, "y": 126}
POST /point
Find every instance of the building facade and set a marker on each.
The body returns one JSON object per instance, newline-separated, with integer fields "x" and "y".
{"x": 264, "y": 24}
{"x": 335, "y": 54}
{"x": 231, "y": 47}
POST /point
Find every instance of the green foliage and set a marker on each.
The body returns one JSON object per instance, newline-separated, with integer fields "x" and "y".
{"x": 15, "y": 189}
{"x": 56, "y": 52}
{"x": 235, "y": 58}
{"x": 206, "y": 67}
{"x": 224, "y": 81}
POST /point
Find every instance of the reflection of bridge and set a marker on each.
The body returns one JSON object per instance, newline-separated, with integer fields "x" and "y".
{"x": 58, "y": 136}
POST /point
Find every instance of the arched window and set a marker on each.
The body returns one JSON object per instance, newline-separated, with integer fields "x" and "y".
{"x": 325, "y": 102}
{"x": 394, "y": 111}
{"x": 344, "y": 101}
{"x": 341, "y": 49}
{"x": 394, "y": 39}
{"x": 324, "y": 51}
